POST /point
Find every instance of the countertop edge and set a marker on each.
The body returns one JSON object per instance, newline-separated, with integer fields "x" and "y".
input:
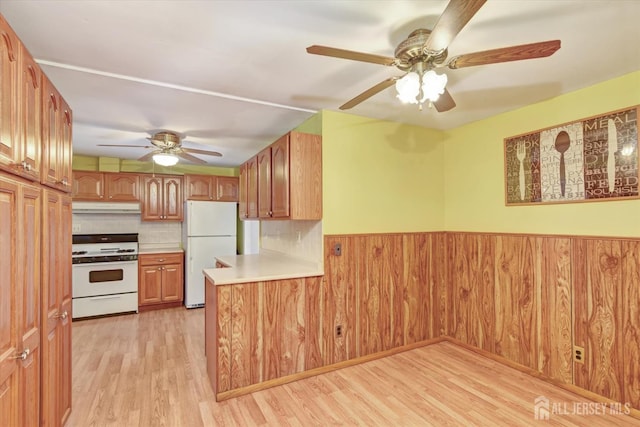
{"x": 266, "y": 278}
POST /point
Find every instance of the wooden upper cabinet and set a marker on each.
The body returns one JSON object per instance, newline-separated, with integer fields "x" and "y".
{"x": 286, "y": 179}
{"x": 88, "y": 186}
{"x": 280, "y": 178}
{"x": 56, "y": 139}
{"x": 200, "y": 187}
{"x": 227, "y": 188}
{"x": 162, "y": 198}
{"x": 264, "y": 183}
{"x": 242, "y": 192}
{"x": 122, "y": 187}
{"x": 29, "y": 123}
{"x": 173, "y": 198}
{"x": 252, "y": 188}
{"x": 104, "y": 186}
{"x": 9, "y": 143}
{"x": 211, "y": 187}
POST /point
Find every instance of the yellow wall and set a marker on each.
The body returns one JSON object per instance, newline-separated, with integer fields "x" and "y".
{"x": 474, "y": 172}
{"x": 112, "y": 164}
{"x": 380, "y": 176}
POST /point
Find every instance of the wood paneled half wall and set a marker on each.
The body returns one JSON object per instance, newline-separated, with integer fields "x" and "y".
{"x": 564, "y": 307}
{"x": 567, "y": 307}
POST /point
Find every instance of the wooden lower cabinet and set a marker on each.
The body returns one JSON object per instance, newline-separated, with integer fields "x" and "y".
{"x": 56, "y": 308}
{"x": 20, "y": 349}
{"x": 160, "y": 280}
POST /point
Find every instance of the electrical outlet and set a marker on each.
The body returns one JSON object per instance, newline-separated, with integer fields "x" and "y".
{"x": 338, "y": 330}
{"x": 76, "y": 228}
{"x": 337, "y": 249}
{"x": 578, "y": 354}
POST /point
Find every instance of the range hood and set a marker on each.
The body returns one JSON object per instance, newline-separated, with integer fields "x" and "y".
{"x": 105, "y": 207}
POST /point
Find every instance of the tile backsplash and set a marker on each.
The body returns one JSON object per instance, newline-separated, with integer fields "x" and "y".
{"x": 149, "y": 232}
{"x": 298, "y": 239}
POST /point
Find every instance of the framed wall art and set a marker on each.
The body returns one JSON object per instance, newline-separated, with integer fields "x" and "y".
{"x": 593, "y": 159}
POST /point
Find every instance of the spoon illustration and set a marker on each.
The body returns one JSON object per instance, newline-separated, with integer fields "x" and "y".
{"x": 562, "y": 145}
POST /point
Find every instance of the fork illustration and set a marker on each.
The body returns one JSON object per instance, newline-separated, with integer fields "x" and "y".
{"x": 521, "y": 154}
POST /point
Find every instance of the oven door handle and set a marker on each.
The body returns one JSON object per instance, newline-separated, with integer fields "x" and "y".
{"x": 104, "y": 264}
{"x": 105, "y": 297}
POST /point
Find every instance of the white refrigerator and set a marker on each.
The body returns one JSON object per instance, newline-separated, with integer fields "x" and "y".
{"x": 209, "y": 230}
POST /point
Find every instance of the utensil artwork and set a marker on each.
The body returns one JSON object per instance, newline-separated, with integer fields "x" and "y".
{"x": 585, "y": 160}
{"x": 612, "y": 145}
{"x": 563, "y": 142}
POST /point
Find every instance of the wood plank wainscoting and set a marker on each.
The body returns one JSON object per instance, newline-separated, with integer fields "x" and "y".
{"x": 526, "y": 300}
{"x": 531, "y": 299}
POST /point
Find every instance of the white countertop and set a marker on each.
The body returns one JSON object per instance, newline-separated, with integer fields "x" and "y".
{"x": 260, "y": 267}
{"x": 154, "y": 248}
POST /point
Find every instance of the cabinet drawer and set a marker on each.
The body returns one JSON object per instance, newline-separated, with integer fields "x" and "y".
{"x": 160, "y": 259}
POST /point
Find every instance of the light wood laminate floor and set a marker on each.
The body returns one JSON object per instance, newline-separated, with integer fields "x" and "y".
{"x": 149, "y": 370}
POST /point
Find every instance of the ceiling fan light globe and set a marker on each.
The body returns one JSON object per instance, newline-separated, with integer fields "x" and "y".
{"x": 433, "y": 85}
{"x": 165, "y": 159}
{"x": 408, "y": 88}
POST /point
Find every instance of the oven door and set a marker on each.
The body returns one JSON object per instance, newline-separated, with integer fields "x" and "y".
{"x": 105, "y": 278}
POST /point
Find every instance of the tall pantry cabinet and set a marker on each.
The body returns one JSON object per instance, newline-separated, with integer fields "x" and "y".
{"x": 35, "y": 242}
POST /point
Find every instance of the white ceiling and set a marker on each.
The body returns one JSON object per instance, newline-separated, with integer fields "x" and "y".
{"x": 232, "y": 76}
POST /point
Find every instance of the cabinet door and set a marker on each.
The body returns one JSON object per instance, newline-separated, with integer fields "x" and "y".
{"x": 50, "y": 134}
{"x": 264, "y": 183}
{"x": 51, "y": 277}
{"x": 29, "y": 282}
{"x": 173, "y": 199}
{"x": 63, "y": 263}
{"x": 172, "y": 283}
{"x": 88, "y": 186}
{"x": 150, "y": 285}
{"x": 152, "y": 203}
{"x": 10, "y": 296}
{"x": 252, "y": 188}
{"x": 200, "y": 187}
{"x": 280, "y": 178}
{"x": 29, "y": 125}
{"x": 9, "y": 149}
{"x": 227, "y": 188}
{"x": 65, "y": 149}
{"x": 242, "y": 192}
{"x": 122, "y": 187}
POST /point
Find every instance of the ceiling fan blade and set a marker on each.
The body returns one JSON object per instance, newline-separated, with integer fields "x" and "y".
{"x": 147, "y": 157}
{"x": 453, "y": 19}
{"x": 196, "y": 151}
{"x": 445, "y": 102}
{"x": 190, "y": 158}
{"x": 123, "y": 145}
{"x": 506, "y": 54}
{"x": 369, "y": 93}
{"x": 349, "y": 54}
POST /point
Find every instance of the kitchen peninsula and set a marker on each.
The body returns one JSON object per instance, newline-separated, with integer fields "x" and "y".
{"x": 261, "y": 321}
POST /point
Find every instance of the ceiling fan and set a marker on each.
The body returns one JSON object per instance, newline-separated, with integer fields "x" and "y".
{"x": 167, "y": 149}
{"x": 426, "y": 50}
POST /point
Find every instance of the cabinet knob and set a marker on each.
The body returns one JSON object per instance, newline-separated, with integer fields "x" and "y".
{"x": 62, "y": 315}
{"x": 161, "y": 260}
{"x": 26, "y": 166}
{"x": 23, "y": 355}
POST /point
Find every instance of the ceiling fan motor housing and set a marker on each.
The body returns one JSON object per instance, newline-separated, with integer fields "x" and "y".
{"x": 411, "y": 51}
{"x": 165, "y": 140}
